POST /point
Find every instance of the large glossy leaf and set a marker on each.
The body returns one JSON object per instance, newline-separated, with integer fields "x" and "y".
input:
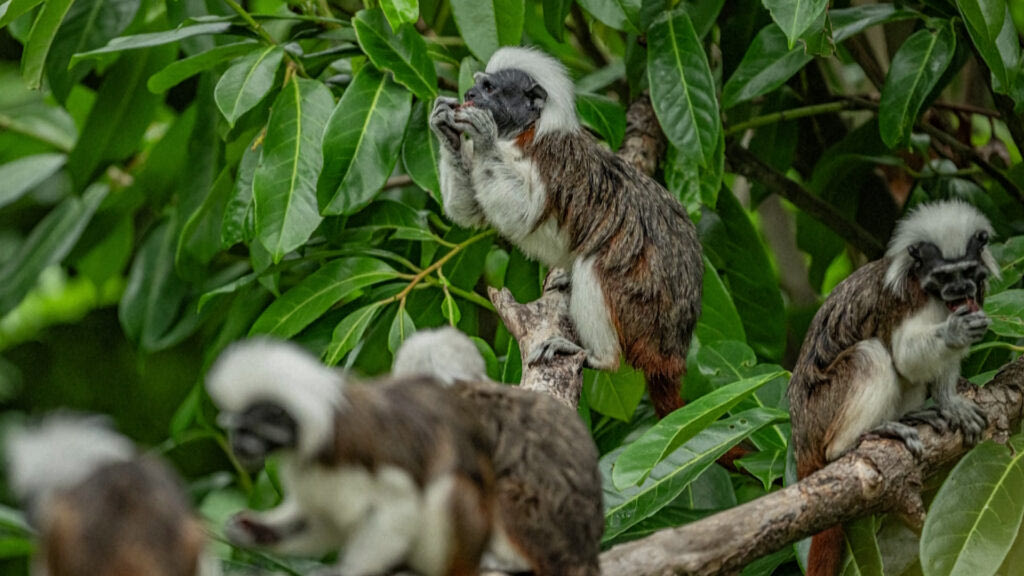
{"x": 238, "y": 224}
{"x": 672, "y": 431}
{"x": 40, "y": 39}
{"x": 991, "y": 28}
{"x": 88, "y": 24}
{"x": 694, "y": 185}
{"x": 1006, "y": 309}
{"x": 22, "y": 175}
{"x": 719, "y": 319}
{"x": 179, "y": 70}
{"x": 333, "y": 283}
{"x": 555, "y": 12}
{"x": 361, "y": 142}
{"x": 48, "y": 243}
{"x": 284, "y": 185}
{"x": 619, "y": 14}
{"x": 421, "y": 153}
{"x": 916, "y": 69}
{"x": 604, "y": 116}
{"x": 199, "y": 240}
{"x": 667, "y": 481}
{"x": 794, "y": 17}
{"x": 120, "y": 115}
{"x": 400, "y": 12}
{"x": 404, "y": 53}
{"x": 977, "y": 513}
{"x": 732, "y": 245}
{"x": 682, "y": 88}
{"x": 615, "y": 394}
{"x": 863, "y": 557}
{"x": 150, "y": 39}
{"x": 11, "y": 9}
{"x": 488, "y": 24}
{"x": 247, "y": 81}
{"x": 349, "y": 333}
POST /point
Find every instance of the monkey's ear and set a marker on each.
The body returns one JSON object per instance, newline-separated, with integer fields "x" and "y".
{"x": 922, "y": 251}
{"x": 477, "y": 76}
{"x": 537, "y": 95}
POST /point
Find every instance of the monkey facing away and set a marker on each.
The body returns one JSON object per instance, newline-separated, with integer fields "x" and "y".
{"x": 533, "y": 173}
{"x": 100, "y": 508}
{"x": 888, "y": 335}
{"x": 395, "y": 474}
{"x": 548, "y": 515}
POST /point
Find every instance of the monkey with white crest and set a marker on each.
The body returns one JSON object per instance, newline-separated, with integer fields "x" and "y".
{"x": 533, "y": 173}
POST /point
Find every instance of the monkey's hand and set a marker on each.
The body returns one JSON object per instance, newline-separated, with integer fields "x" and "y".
{"x": 550, "y": 348}
{"x": 479, "y": 125}
{"x": 899, "y": 431}
{"x": 442, "y": 122}
{"x": 964, "y": 327}
{"x": 956, "y": 412}
{"x": 245, "y": 530}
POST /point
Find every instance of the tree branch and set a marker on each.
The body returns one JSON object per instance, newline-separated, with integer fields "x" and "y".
{"x": 644, "y": 143}
{"x": 879, "y": 475}
{"x": 745, "y": 163}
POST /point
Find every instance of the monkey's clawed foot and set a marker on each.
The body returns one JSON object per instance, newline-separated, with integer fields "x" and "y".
{"x": 957, "y": 413}
{"x": 964, "y": 327}
{"x": 899, "y": 431}
{"x": 478, "y": 124}
{"x": 442, "y": 122}
{"x": 548, "y": 349}
{"x": 558, "y": 280}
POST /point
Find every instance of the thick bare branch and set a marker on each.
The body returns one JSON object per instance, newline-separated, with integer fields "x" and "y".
{"x": 879, "y": 475}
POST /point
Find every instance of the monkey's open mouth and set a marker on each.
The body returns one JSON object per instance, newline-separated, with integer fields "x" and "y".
{"x": 971, "y": 303}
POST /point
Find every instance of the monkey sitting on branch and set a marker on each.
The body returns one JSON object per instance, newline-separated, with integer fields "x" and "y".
{"x": 548, "y": 516}
{"x": 889, "y": 335}
{"x": 99, "y": 507}
{"x": 533, "y": 173}
{"x": 395, "y": 474}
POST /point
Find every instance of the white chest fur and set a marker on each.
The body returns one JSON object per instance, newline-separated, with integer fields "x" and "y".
{"x": 919, "y": 349}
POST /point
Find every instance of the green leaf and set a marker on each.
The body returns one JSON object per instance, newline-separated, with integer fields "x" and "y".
{"x": 421, "y": 152}
{"x": 916, "y": 69}
{"x": 403, "y": 53}
{"x": 719, "y": 319}
{"x": 768, "y": 63}
{"x": 614, "y": 394}
{"x": 386, "y": 214}
{"x": 451, "y": 312}
{"x": 349, "y": 332}
{"x": 487, "y": 24}
{"x": 48, "y": 243}
{"x": 11, "y": 9}
{"x": 555, "y": 12}
{"x": 284, "y": 184}
{"x": 604, "y": 116}
{"x": 991, "y": 28}
{"x": 40, "y": 39}
{"x": 22, "y": 175}
{"x": 178, "y": 71}
{"x": 238, "y": 224}
{"x": 619, "y": 14}
{"x": 794, "y": 17}
{"x": 977, "y": 512}
{"x": 150, "y": 39}
{"x": 88, "y": 24}
{"x": 672, "y": 431}
{"x": 246, "y": 82}
{"x": 695, "y": 186}
{"x": 200, "y": 237}
{"x": 401, "y": 328}
{"x": 361, "y": 142}
{"x": 682, "y": 87}
{"x": 668, "y": 480}
{"x": 1006, "y": 309}
{"x": 863, "y": 556}
{"x": 400, "y": 12}
{"x": 334, "y": 283}
{"x": 765, "y": 465}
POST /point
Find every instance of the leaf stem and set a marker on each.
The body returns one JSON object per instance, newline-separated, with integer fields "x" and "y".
{"x": 791, "y": 114}
{"x": 256, "y": 27}
{"x": 996, "y": 344}
{"x": 464, "y": 294}
{"x": 441, "y": 262}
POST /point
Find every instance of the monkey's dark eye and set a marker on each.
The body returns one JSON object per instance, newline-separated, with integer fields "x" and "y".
{"x": 488, "y": 86}
{"x": 981, "y": 236}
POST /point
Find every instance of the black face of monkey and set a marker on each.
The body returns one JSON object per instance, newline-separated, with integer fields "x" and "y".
{"x": 259, "y": 430}
{"x": 511, "y": 96}
{"x": 957, "y": 281}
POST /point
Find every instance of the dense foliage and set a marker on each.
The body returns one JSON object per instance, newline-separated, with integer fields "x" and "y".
{"x": 177, "y": 175}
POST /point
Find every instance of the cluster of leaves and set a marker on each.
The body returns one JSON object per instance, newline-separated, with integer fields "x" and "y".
{"x": 216, "y": 170}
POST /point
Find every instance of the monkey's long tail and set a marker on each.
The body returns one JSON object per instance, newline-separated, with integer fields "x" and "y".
{"x": 664, "y": 392}
{"x": 826, "y": 555}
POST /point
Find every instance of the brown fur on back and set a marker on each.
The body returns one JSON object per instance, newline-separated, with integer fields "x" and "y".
{"x": 126, "y": 519}
{"x": 648, "y": 255}
{"x": 547, "y": 478}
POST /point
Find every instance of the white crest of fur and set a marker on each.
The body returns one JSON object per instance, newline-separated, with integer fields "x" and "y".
{"x": 61, "y": 452}
{"x": 948, "y": 225}
{"x": 559, "y": 114}
{"x": 283, "y": 373}
{"x": 444, "y": 353}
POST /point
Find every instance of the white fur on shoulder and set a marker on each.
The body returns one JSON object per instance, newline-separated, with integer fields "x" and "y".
{"x": 444, "y": 353}
{"x": 281, "y": 372}
{"x": 948, "y": 225}
{"x": 559, "y": 112}
{"x": 60, "y": 452}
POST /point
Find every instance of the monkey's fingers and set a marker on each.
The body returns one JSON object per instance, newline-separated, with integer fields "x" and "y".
{"x": 445, "y": 102}
{"x": 899, "y": 431}
{"x": 968, "y": 417}
{"x": 548, "y": 349}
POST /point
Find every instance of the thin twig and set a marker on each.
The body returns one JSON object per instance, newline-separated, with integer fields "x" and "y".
{"x": 399, "y": 181}
{"x": 791, "y": 114}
